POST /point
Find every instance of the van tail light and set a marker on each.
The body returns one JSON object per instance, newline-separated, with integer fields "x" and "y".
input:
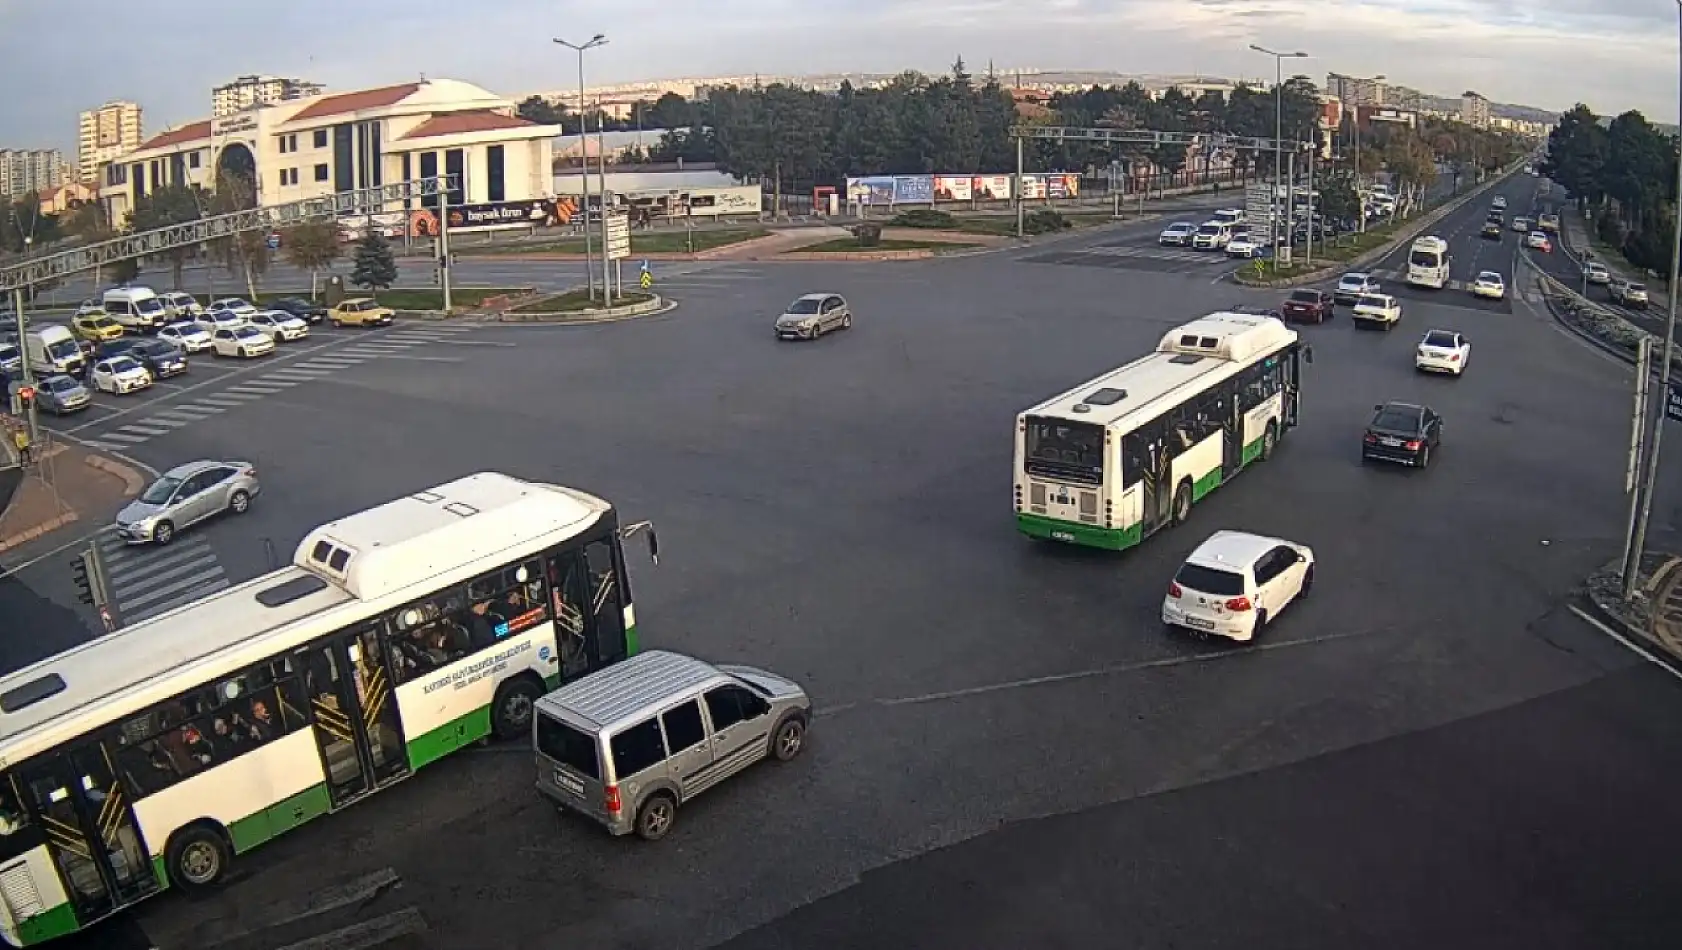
{"x": 1238, "y": 604}
{"x": 1174, "y": 590}
{"x": 610, "y": 799}
{"x": 1413, "y": 445}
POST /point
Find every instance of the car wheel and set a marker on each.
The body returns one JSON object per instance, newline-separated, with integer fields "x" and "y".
{"x": 656, "y": 816}
{"x": 163, "y": 533}
{"x": 1425, "y": 457}
{"x": 338, "y": 323}
{"x": 846, "y": 321}
{"x": 1182, "y": 503}
{"x": 1258, "y": 625}
{"x": 239, "y": 502}
{"x": 816, "y": 332}
{"x": 788, "y": 739}
{"x": 1307, "y": 582}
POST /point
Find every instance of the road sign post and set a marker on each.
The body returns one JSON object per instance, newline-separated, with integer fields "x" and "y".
{"x": 618, "y": 227}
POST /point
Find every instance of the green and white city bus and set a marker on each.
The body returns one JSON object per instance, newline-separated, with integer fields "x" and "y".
{"x": 1113, "y": 460}
{"x": 149, "y": 758}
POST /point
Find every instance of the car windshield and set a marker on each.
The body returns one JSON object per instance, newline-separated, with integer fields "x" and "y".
{"x": 154, "y": 348}
{"x": 1209, "y": 229}
{"x": 1305, "y": 296}
{"x": 63, "y": 349}
{"x": 1439, "y": 338}
{"x": 1182, "y": 227}
{"x": 148, "y": 305}
{"x": 1393, "y": 419}
{"x": 1638, "y": 288}
{"x": 160, "y": 491}
{"x": 1371, "y": 300}
{"x": 246, "y": 331}
{"x": 60, "y": 384}
{"x": 1489, "y": 277}
{"x": 123, "y": 364}
{"x": 1353, "y": 280}
{"x": 1209, "y": 580}
{"x": 804, "y": 305}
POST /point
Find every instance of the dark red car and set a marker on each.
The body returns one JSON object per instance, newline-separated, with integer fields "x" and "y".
{"x": 1308, "y": 306}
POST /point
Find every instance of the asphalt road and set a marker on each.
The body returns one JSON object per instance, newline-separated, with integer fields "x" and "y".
{"x": 839, "y": 512}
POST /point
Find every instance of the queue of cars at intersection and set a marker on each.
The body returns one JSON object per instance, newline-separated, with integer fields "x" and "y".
{"x": 131, "y": 337}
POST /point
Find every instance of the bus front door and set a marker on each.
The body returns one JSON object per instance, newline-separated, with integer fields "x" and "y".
{"x": 85, "y": 817}
{"x": 355, "y": 713}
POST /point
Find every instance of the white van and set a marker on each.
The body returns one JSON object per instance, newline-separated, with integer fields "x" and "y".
{"x": 136, "y": 308}
{"x": 1228, "y": 216}
{"x": 1211, "y": 236}
{"x": 52, "y": 349}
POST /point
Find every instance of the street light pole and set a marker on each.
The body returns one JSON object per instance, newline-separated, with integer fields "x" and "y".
{"x": 1360, "y": 202}
{"x": 584, "y": 158}
{"x": 1650, "y": 482}
{"x": 1278, "y": 141}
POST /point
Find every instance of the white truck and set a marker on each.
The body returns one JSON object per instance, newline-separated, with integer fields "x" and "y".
{"x": 52, "y": 349}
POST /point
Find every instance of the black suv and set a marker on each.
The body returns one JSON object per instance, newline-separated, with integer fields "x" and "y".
{"x": 1402, "y": 432}
{"x": 159, "y": 356}
{"x": 305, "y": 310}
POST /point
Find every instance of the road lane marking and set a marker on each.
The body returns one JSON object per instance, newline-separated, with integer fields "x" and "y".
{"x": 1635, "y": 648}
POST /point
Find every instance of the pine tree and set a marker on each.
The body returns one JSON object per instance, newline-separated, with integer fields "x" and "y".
{"x": 373, "y": 267}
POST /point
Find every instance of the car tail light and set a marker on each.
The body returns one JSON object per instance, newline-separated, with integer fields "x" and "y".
{"x": 1174, "y": 589}
{"x": 1370, "y": 439}
{"x": 1454, "y": 357}
{"x": 1412, "y": 445}
{"x": 610, "y": 799}
{"x": 250, "y": 471}
{"x": 1238, "y": 604}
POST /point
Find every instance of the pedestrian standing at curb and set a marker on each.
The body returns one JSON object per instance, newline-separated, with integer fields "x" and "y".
{"x": 20, "y": 438}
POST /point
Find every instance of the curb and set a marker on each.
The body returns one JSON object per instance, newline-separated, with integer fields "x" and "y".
{"x": 1661, "y": 652}
{"x": 647, "y": 308}
{"x": 133, "y": 483}
{"x": 45, "y": 528}
{"x": 1410, "y": 231}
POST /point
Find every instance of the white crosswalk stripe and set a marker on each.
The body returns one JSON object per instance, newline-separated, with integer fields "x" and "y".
{"x": 145, "y": 581}
{"x": 260, "y": 389}
{"x": 301, "y": 375}
{"x": 163, "y": 421}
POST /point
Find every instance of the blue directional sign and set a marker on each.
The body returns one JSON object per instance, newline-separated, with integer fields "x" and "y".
{"x": 274, "y": 242}
{"x": 1673, "y": 403}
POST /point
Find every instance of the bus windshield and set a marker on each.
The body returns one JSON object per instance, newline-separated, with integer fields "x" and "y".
{"x": 1062, "y": 449}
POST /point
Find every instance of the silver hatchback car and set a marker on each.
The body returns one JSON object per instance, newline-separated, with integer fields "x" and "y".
{"x": 814, "y": 315}
{"x": 184, "y": 496}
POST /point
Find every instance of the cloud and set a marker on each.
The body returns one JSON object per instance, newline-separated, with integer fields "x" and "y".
{"x": 1612, "y": 54}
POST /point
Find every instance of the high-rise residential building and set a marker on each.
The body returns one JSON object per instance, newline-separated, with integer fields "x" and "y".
{"x": 1353, "y": 91}
{"x": 1474, "y": 109}
{"x": 106, "y": 134}
{"x": 26, "y": 171}
{"x": 248, "y": 91}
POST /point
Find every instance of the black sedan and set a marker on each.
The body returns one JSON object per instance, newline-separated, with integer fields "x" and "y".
{"x": 306, "y": 310}
{"x": 1402, "y": 432}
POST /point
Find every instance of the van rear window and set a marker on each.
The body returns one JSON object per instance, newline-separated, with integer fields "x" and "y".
{"x": 637, "y": 749}
{"x": 568, "y": 746}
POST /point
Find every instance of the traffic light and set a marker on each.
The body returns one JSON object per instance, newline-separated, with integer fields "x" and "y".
{"x": 84, "y": 581}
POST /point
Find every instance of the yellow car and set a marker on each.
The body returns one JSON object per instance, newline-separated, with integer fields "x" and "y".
{"x": 96, "y": 327}
{"x": 360, "y": 312}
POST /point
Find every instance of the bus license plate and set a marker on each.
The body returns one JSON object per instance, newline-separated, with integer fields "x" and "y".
{"x": 1062, "y": 536}
{"x": 569, "y": 783}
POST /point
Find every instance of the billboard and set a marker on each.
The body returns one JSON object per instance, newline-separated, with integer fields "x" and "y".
{"x": 952, "y": 187}
{"x": 1062, "y": 185}
{"x": 913, "y": 189}
{"x": 1033, "y": 186}
{"x": 878, "y": 190}
{"x": 538, "y": 212}
{"x": 990, "y": 187}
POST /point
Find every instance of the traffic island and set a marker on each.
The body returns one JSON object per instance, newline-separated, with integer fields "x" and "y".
{"x": 1653, "y": 616}
{"x": 64, "y": 484}
{"x": 882, "y": 249}
{"x": 665, "y": 244}
{"x": 580, "y": 306}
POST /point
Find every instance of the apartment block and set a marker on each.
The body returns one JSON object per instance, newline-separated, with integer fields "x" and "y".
{"x": 27, "y": 171}
{"x": 106, "y": 134}
{"x": 1474, "y": 109}
{"x": 248, "y": 92}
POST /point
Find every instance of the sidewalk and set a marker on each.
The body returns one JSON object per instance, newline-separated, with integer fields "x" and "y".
{"x": 65, "y": 484}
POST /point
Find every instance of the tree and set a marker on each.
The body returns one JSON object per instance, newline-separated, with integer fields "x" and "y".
{"x": 1624, "y": 171}
{"x": 542, "y": 111}
{"x": 313, "y": 246}
{"x": 670, "y": 111}
{"x": 373, "y": 267}
{"x": 1338, "y": 199}
{"x": 245, "y": 254}
{"x": 165, "y": 207}
{"x": 22, "y": 225}
{"x": 125, "y": 270}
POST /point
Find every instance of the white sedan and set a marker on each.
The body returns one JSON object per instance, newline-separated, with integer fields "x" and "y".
{"x": 237, "y": 305}
{"x": 1489, "y": 285}
{"x": 1177, "y": 234}
{"x": 1235, "y": 583}
{"x": 278, "y": 325}
{"x": 1381, "y": 309}
{"x": 213, "y": 320}
{"x": 187, "y": 336}
{"x": 242, "y": 341}
{"x": 1443, "y": 351}
{"x": 1243, "y": 246}
{"x": 119, "y": 375}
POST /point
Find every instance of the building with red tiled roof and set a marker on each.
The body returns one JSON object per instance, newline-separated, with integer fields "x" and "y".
{"x": 309, "y": 148}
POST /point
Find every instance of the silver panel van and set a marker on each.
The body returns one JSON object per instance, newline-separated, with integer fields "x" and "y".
{"x": 631, "y": 743}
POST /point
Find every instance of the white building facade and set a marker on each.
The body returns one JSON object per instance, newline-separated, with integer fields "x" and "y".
{"x": 318, "y": 146}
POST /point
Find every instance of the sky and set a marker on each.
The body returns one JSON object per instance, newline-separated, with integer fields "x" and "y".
{"x": 1614, "y": 55}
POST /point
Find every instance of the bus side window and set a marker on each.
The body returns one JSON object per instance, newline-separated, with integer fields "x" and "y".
{"x": 1132, "y": 457}
{"x": 12, "y": 816}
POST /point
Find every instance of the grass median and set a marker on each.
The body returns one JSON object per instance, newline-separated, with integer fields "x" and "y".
{"x": 397, "y": 298}
{"x": 852, "y": 246}
{"x": 642, "y": 242}
{"x": 579, "y": 301}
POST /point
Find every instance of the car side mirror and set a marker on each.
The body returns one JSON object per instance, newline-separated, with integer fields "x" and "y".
{"x": 1378, "y": 408}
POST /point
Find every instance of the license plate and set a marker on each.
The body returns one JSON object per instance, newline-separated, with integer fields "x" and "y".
{"x": 1391, "y": 442}
{"x": 1062, "y": 536}
{"x": 563, "y": 780}
{"x": 1200, "y": 624}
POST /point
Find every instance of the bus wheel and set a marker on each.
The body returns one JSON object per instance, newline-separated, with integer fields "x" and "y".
{"x": 512, "y": 710}
{"x": 198, "y": 858}
{"x": 1269, "y": 439}
{"x": 1182, "y": 503}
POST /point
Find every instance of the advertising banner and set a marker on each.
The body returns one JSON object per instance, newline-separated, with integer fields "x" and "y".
{"x": 952, "y": 188}
{"x": 913, "y": 189}
{"x": 878, "y": 190}
{"x": 539, "y": 212}
{"x": 990, "y": 187}
{"x": 1033, "y": 186}
{"x": 1062, "y": 186}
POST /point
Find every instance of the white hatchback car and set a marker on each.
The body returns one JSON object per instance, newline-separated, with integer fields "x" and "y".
{"x": 119, "y": 375}
{"x": 212, "y": 320}
{"x": 188, "y": 336}
{"x": 1243, "y": 246}
{"x": 1442, "y": 351}
{"x": 237, "y": 305}
{"x": 1235, "y": 583}
{"x": 278, "y": 325}
{"x": 1489, "y": 285}
{"x": 242, "y": 341}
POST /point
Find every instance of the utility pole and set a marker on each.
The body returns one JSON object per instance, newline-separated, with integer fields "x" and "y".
{"x": 27, "y": 371}
{"x": 601, "y": 166}
{"x": 1016, "y": 188}
{"x": 1632, "y": 472}
{"x": 1279, "y": 220}
{"x": 444, "y": 244}
{"x": 584, "y": 156}
{"x": 1313, "y": 159}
